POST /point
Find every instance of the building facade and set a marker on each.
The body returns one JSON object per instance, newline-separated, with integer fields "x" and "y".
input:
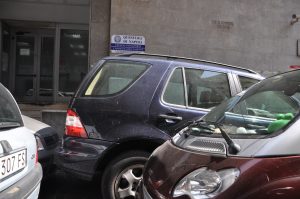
{"x": 44, "y": 48}
{"x": 47, "y": 46}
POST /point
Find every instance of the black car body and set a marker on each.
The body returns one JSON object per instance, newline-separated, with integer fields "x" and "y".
{"x": 47, "y": 141}
{"x": 126, "y": 107}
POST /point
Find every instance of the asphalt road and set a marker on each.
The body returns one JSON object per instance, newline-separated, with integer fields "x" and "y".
{"x": 62, "y": 186}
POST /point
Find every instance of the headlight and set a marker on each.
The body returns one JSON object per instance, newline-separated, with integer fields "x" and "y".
{"x": 204, "y": 183}
{"x": 39, "y": 143}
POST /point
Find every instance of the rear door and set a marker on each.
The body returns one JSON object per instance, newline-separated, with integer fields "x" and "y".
{"x": 188, "y": 92}
{"x": 117, "y": 98}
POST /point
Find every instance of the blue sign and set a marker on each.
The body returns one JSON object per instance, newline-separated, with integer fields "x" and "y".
{"x": 127, "y": 47}
{"x": 127, "y": 43}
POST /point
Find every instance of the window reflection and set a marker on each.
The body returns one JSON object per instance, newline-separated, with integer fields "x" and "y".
{"x": 73, "y": 62}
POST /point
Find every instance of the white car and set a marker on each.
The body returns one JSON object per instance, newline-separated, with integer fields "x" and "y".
{"x": 20, "y": 172}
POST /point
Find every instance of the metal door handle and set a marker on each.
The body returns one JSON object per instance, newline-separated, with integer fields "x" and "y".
{"x": 170, "y": 117}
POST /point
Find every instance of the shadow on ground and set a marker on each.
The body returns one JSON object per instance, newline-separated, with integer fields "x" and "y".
{"x": 59, "y": 185}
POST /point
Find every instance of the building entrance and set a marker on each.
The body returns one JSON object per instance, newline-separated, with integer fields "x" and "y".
{"x": 34, "y": 65}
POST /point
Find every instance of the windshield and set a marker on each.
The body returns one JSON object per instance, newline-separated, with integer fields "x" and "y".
{"x": 262, "y": 110}
{"x": 9, "y": 113}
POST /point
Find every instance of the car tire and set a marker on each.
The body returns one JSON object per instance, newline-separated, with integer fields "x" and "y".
{"x": 121, "y": 175}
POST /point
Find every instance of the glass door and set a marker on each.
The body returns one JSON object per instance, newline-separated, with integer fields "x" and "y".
{"x": 25, "y": 68}
{"x": 46, "y": 63}
{"x": 5, "y": 55}
{"x": 34, "y": 66}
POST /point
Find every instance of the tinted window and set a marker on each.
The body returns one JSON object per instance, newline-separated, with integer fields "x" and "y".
{"x": 73, "y": 60}
{"x": 174, "y": 93}
{"x": 114, "y": 77}
{"x": 206, "y": 89}
{"x": 9, "y": 111}
{"x": 246, "y": 82}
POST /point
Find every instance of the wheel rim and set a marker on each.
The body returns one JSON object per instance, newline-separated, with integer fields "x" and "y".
{"x": 127, "y": 181}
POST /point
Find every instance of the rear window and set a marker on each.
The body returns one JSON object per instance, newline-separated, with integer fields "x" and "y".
{"x": 9, "y": 111}
{"x": 114, "y": 77}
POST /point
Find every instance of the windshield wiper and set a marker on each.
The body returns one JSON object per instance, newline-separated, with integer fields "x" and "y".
{"x": 233, "y": 147}
{"x": 193, "y": 128}
{"x": 9, "y": 124}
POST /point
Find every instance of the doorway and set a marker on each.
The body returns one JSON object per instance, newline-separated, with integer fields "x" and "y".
{"x": 34, "y": 65}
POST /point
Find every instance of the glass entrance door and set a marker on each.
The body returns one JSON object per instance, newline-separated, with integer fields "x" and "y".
{"x": 25, "y": 70}
{"x": 46, "y": 63}
{"x": 34, "y": 66}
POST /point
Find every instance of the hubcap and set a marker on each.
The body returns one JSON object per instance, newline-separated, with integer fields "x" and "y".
{"x": 127, "y": 181}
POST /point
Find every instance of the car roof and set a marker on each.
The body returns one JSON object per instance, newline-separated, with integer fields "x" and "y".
{"x": 147, "y": 57}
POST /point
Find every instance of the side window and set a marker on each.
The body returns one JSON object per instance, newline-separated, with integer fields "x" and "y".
{"x": 206, "y": 89}
{"x": 247, "y": 82}
{"x": 113, "y": 77}
{"x": 174, "y": 93}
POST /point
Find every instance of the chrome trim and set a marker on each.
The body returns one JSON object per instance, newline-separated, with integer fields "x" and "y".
{"x": 165, "y": 87}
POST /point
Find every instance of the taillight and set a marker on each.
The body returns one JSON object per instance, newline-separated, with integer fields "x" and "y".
{"x": 74, "y": 126}
{"x": 36, "y": 156}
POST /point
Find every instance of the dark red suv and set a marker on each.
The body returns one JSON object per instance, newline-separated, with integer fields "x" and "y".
{"x": 247, "y": 147}
{"x": 126, "y": 107}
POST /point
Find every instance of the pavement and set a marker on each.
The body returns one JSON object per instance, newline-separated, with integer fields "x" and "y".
{"x": 60, "y": 185}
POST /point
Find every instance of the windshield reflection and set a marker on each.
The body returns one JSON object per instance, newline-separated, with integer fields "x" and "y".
{"x": 264, "y": 109}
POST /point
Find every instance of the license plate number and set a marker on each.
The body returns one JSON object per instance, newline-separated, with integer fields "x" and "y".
{"x": 12, "y": 163}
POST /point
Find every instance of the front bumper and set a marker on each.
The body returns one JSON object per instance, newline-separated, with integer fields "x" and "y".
{"x": 80, "y": 157}
{"x": 28, "y": 187}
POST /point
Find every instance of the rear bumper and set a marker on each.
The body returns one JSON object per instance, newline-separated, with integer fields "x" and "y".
{"x": 46, "y": 158}
{"x": 80, "y": 157}
{"x": 28, "y": 187}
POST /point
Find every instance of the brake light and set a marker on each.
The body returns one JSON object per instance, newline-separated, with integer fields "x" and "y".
{"x": 74, "y": 126}
{"x": 36, "y": 156}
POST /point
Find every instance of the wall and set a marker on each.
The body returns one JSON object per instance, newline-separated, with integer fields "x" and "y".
{"x": 255, "y": 34}
{"x": 64, "y": 11}
{"x": 99, "y": 29}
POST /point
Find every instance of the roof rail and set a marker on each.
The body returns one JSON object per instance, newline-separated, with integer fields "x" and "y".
{"x": 182, "y": 58}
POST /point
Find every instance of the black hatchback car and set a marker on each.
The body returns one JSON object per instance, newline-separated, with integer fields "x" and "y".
{"x": 128, "y": 105}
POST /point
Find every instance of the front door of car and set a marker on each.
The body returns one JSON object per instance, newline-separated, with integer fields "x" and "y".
{"x": 185, "y": 94}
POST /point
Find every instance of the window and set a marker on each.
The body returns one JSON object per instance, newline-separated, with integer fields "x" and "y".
{"x": 9, "y": 111}
{"x": 174, "y": 93}
{"x": 206, "y": 89}
{"x": 73, "y": 60}
{"x": 246, "y": 82}
{"x": 114, "y": 77}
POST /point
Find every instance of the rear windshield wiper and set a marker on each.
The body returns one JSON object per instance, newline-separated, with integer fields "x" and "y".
{"x": 4, "y": 125}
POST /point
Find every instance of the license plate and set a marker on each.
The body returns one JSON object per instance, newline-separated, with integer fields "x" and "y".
{"x": 12, "y": 163}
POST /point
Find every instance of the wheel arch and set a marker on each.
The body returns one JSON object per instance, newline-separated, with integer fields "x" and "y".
{"x": 143, "y": 144}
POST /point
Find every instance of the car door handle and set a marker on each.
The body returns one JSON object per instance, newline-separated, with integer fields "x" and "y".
{"x": 170, "y": 117}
